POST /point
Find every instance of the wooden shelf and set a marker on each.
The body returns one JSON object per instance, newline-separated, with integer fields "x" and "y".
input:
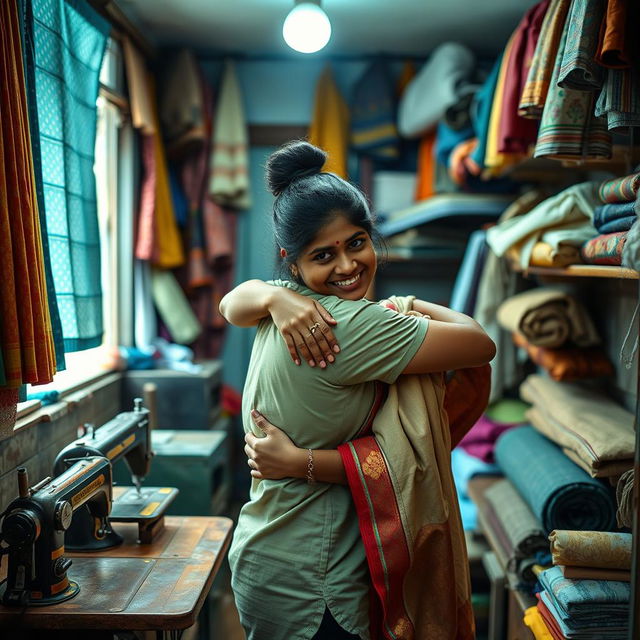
{"x": 580, "y": 271}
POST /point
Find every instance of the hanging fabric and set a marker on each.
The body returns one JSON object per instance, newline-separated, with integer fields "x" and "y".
{"x": 329, "y": 128}
{"x": 229, "y": 183}
{"x": 26, "y": 337}
{"x": 614, "y": 41}
{"x": 70, "y": 40}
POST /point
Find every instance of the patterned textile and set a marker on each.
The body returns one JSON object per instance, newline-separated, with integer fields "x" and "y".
{"x": 534, "y": 92}
{"x": 27, "y": 352}
{"x": 521, "y": 527}
{"x": 594, "y": 431}
{"x": 578, "y": 69}
{"x": 8, "y": 410}
{"x": 229, "y": 184}
{"x": 620, "y": 189}
{"x": 515, "y": 133}
{"x": 591, "y": 549}
{"x": 402, "y": 531}
{"x": 604, "y": 249}
{"x": 566, "y": 364}
{"x": 619, "y": 100}
{"x": 534, "y": 620}
{"x": 28, "y": 53}
{"x": 624, "y": 496}
{"x": 560, "y": 494}
{"x": 548, "y": 317}
{"x": 568, "y": 129}
{"x": 373, "y": 114}
{"x": 70, "y": 39}
{"x": 329, "y": 128}
{"x": 613, "y": 45}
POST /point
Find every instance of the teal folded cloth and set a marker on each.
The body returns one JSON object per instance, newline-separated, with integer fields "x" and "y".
{"x": 45, "y": 397}
{"x": 555, "y": 488}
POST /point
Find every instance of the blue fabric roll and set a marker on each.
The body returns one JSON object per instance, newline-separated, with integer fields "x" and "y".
{"x": 608, "y": 213}
{"x": 560, "y": 494}
{"x": 620, "y": 224}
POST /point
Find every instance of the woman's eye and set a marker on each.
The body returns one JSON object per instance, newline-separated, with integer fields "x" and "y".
{"x": 357, "y": 243}
{"x": 322, "y": 257}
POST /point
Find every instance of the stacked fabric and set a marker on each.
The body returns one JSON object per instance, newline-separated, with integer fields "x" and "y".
{"x": 559, "y": 493}
{"x": 592, "y": 555}
{"x": 593, "y": 431}
{"x": 518, "y": 532}
{"x": 556, "y": 332}
{"x": 613, "y": 220}
{"x": 583, "y": 609}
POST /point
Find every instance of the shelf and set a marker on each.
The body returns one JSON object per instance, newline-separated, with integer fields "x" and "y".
{"x": 580, "y": 271}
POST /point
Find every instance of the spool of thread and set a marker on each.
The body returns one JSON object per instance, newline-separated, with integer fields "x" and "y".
{"x": 23, "y": 482}
{"x": 149, "y": 391}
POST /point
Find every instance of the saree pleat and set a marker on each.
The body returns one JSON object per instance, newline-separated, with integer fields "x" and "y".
{"x": 28, "y": 353}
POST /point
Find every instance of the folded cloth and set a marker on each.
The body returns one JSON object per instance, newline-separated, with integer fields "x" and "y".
{"x": 434, "y": 89}
{"x": 586, "y": 423}
{"x": 534, "y": 620}
{"x": 566, "y": 364}
{"x": 573, "y": 205}
{"x": 548, "y": 317}
{"x": 523, "y": 530}
{"x": 593, "y": 549}
{"x": 620, "y": 189}
{"x": 631, "y": 248}
{"x": 614, "y": 211}
{"x": 604, "y": 249}
{"x": 621, "y": 224}
{"x": 481, "y": 438}
{"x": 544, "y": 255}
{"x": 624, "y": 496}
{"x": 560, "y": 494}
{"x": 594, "y": 573}
{"x": 578, "y": 69}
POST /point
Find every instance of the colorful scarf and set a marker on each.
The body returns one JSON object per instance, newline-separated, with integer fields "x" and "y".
{"x": 604, "y": 249}
{"x": 620, "y": 189}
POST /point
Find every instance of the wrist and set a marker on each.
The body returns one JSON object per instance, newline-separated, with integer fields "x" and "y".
{"x": 298, "y": 463}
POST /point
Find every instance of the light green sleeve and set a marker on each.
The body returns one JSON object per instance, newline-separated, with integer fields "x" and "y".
{"x": 375, "y": 343}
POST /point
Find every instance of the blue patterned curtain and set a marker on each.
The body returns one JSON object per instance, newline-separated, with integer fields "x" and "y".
{"x": 69, "y": 40}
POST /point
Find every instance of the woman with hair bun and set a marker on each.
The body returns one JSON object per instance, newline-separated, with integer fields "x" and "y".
{"x": 321, "y": 360}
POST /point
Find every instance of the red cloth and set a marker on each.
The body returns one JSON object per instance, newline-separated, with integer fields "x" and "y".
{"x": 549, "y": 620}
{"x": 517, "y": 134}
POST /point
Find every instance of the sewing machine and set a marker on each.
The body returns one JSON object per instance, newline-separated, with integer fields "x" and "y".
{"x": 127, "y": 435}
{"x": 34, "y": 525}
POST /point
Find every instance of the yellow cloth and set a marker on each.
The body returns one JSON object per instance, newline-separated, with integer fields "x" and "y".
{"x": 535, "y": 622}
{"x": 330, "y": 125}
{"x": 168, "y": 252}
{"x": 26, "y": 336}
{"x": 497, "y": 163}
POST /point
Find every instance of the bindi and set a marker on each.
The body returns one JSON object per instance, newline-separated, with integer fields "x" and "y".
{"x": 337, "y": 242}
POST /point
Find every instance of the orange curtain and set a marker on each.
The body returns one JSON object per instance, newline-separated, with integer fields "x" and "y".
{"x": 26, "y": 336}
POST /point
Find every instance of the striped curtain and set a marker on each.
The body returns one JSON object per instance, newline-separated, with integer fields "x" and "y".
{"x": 69, "y": 43}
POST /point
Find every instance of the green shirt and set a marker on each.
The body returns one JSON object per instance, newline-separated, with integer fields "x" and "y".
{"x": 297, "y": 547}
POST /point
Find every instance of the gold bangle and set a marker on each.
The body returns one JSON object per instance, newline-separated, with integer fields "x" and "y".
{"x": 310, "y": 477}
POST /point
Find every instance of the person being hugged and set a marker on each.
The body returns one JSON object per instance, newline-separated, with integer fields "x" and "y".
{"x": 322, "y": 358}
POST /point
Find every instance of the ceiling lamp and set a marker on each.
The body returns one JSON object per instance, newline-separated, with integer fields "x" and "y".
{"x": 307, "y": 28}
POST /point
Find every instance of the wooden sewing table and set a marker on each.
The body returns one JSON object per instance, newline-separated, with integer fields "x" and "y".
{"x": 156, "y": 587}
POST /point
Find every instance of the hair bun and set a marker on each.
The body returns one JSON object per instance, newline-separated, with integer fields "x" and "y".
{"x": 293, "y": 160}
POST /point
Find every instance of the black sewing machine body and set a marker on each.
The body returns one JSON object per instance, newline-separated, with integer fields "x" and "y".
{"x": 128, "y": 435}
{"x": 34, "y": 526}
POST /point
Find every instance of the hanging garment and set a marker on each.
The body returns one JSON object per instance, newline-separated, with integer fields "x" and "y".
{"x": 614, "y": 42}
{"x": 598, "y": 549}
{"x": 402, "y": 531}
{"x": 568, "y": 128}
{"x": 534, "y": 92}
{"x": 26, "y": 337}
{"x": 329, "y": 127}
{"x": 578, "y": 68}
{"x": 436, "y": 87}
{"x": 140, "y": 100}
{"x": 560, "y": 494}
{"x": 620, "y": 189}
{"x": 605, "y": 249}
{"x": 619, "y": 100}
{"x": 373, "y": 114}
{"x": 145, "y": 322}
{"x": 515, "y": 133}
{"x": 229, "y": 183}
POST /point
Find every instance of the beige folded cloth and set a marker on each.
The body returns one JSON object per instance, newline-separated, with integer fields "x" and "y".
{"x": 548, "y": 317}
{"x": 598, "y": 549}
{"x": 592, "y": 429}
{"x": 593, "y": 573}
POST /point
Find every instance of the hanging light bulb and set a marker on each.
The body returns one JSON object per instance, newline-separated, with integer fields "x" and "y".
{"x": 307, "y": 28}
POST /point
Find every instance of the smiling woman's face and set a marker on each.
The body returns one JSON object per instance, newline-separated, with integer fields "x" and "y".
{"x": 340, "y": 261}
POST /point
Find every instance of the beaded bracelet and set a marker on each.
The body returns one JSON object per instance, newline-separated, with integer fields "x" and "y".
{"x": 310, "y": 477}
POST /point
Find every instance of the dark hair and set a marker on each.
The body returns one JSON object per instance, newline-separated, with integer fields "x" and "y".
{"x": 308, "y": 198}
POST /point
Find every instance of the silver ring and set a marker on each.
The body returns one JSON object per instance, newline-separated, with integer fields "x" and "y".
{"x": 314, "y": 328}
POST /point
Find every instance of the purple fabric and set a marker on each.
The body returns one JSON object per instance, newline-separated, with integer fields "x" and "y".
{"x": 481, "y": 438}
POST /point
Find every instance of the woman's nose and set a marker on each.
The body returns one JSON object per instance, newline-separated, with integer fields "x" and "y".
{"x": 345, "y": 264}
